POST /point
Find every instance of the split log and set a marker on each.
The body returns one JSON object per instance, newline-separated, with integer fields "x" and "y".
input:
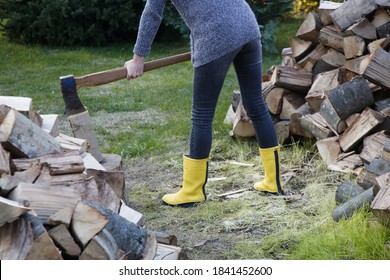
{"x": 312, "y": 57}
{"x": 61, "y": 163}
{"x": 364, "y": 29}
{"x": 373, "y": 146}
{"x": 331, "y": 37}
{"x": 378, "y": 70}
{"x": 63, "y": 216}
{"x": 317, "y": 126}
{"x": 357, "y": 65}
{"x": 150, "y": 247}
{"x": 292, "y": 101}
{"x": 380, "y": 206}
{"x": 45, "y": 200}
{"x": 348, "y": 163}
{"x": 242, "y": 125}
{"x": 10, "y": 182}
{"x": 329, "y": 149}
{"x": 349, "y": 98}
{"x": 300, "y": 48}
{"x": 331, "y": 60}
{"x": 378, "y": 167}
{"x": 51, "y": 124}
{"x": 310, "y": 28}
{"x": 64, "y": 240}
{"x": 16, "y": 239}
{"x": 346, "y": 75}
{"x": 11, "y": 210}
{"x": 322, "y": 84}
{"x": 383, "y": 43}
{"x": 102, "y": 247}
{"x": 43, "y": 247}
{"x": 65, "y": 179}
{"x": 130, "y": 238}
{"x": 82, "y": 128}
{"x": 69, "y": 143}
{"x": 23, "y": 138}
{"x": 383, "y": 180}
{"x": 86, "y": 222}
{"x": 354, "y": 134}
{"x": 356, "y": 10}
{"x": 131, "y": 215}
{"x": 91, "y": 163}
{"x": 115, "y": 179}
{"x": 381, "y": 21}
{"x": 23, "y": 105}
{"x": 295, "y": 125}
{"x": 298, "y": 80}
{"x": 274, "y": 100}
{"x": 282, "y": 129}
{"x": 353, "y": 46}
{"x": 325, "y": 9}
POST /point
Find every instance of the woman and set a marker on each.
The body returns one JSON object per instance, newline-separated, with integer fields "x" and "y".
{"x": 223, "y": 32}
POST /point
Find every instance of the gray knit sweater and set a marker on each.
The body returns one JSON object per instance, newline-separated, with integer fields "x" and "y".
{"x": 217, "y": 26}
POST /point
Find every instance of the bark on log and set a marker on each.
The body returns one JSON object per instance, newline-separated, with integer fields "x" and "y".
{"x": 347, "y": 209}
{"x": 346, "y": 191}
{"x": 349, "y": 98}
{"x": 23, "y": 138}
{"x": 352, "y": 11}
{"x": 378, "y": 70}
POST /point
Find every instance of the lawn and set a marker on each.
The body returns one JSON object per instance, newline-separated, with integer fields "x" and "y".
{"x": 147, "y": 122}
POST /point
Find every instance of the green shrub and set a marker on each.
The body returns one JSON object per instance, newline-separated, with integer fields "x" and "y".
{"x": 98, "y": 22}
{"x": 68, "y": 22}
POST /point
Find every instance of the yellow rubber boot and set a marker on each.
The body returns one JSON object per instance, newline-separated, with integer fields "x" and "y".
{"x": 272, "y": 183}
{"x": 193, "y": 186}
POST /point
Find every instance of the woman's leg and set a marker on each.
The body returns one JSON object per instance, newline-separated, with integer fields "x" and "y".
{"x": 208, "y": 82}
{"x": 248, "y": 66}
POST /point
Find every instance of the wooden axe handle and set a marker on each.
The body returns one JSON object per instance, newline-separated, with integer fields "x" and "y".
{"x": 108, "y": 76}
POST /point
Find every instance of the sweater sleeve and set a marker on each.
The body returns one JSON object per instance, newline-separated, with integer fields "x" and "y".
{"x": 149, "y": 24}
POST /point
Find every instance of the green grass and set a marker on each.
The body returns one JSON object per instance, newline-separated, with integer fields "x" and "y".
{"x": 147, "y": 122}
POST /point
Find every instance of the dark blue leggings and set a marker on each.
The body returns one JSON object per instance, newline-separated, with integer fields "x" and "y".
{"x": 208, "y": 82}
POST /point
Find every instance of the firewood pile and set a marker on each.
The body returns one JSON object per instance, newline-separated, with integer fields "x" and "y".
{"x": 333, "y": 85}
{"x": 58, "y": 202}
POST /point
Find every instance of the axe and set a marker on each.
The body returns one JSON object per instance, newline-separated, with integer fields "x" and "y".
{"x": 77, "y": 114}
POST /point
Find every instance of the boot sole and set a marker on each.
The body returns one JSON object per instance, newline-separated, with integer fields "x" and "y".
{"x": 182, "y": 205}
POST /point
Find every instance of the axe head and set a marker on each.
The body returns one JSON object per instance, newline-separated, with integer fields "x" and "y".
{"x": 73, "y": 104}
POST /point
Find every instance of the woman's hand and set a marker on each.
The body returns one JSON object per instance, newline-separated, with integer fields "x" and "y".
{"x": 135, "y": 67}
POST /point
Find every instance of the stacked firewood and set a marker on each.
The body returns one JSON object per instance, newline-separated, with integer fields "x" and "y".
{"x": 333, "y": 85}
{"x": 58, "y": 202}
